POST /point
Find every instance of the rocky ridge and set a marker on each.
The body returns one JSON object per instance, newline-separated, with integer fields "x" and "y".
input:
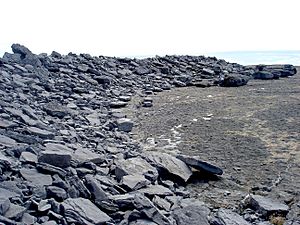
{"x": 66, "y": 153}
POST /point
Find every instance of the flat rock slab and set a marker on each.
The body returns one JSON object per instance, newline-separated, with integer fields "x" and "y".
{"x": 28, "y": 157}
{"x": 56, "y": 158}
{"x": 7, "y": 141}
{"x": 200, "y": 165}
{"x": 83, "y": 211}
{"x": 135, "y": 166}
{"x": 134, "y": 182}
{"x": 153, "y": 190}
{"x": 267, "y": 206}
{"x": 228, "y": 217}
{"x": 125, "y": 124}
{"x": 83, "y": 155}
{"x": 191, "y": 215}
{"x": 169, "y": 164}
{"x": 41, "y": 133}
{"x": 15, "y": 212}
{"x": 36, "y": 178}
{"x": 4, "y": 205}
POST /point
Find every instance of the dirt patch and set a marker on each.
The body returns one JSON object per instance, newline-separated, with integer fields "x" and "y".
{"x": 252, "y": 132}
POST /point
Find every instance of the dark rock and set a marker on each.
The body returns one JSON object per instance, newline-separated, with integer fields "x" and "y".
{"x": 192, "y": 215}
{"x": 196, "y": 163}
{"x": 134, "y": 182}
{"x": 168, "y": 164}
{"x": 234, "y": 80}
{"x": 227, "y": 217}
{"x": 56, "y": 109}
{"x": 124, "y": 124}
{"x": 57, "y": 193}
{"x": 267, "y": 206}
{"x": 153, "y": 190}
{"x": 263, "y": 75}
{"x": 95, "y": 188}
{"x": 149, "y": 211}
{"x": 83, "y": 211}
{"x": 56, "y": 158}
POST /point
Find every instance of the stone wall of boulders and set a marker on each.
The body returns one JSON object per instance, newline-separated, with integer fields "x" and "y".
{"x": 67, "y": 158}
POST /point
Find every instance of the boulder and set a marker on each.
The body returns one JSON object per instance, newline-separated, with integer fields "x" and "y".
{"x": 198, "y": 164}
{"x": 83, "y": 211}
{"x": 135, "y": 166}
{"x": 228, "y": 217}
{"x": 233, "y": 80}
{"x": 169, "y": 165}
{"x": 60, "y": 159}
{"x": 267, "y": 206}
{"x": 192, "y": 215}
{"x": 125, "y": 124}
{"x": 36, "y": 178}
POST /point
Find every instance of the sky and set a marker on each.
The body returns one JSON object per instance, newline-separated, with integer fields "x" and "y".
{"x": 135, "y": 28}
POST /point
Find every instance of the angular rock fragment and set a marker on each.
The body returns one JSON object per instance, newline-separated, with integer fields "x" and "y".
{"x": 234, "y": 80}
{"x": 168, "y": 164}
{"x": 41, "y": 133}
{"x": 124, "y": 124}
{"x": 135, "y": 166}
{"x": 4, "y": 205}
{"x": 228, "y": 217}
{"x": 60, "y": 159}
{"x": 15, "y": 212}
{"x": 267, "y": 206}
{"x": 149, "y": 211}
{"x": 200, "y": 165}
{"x": 36, "y": 178}
{"x": 28, "y": 157}
{"x": 192, "y": 215}
{"x": 134, "y": 182}
{"x": 57, "y": 193}
{"x": 83, "y": 211}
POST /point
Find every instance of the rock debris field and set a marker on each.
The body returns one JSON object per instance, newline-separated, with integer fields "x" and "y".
{"x": 72, "y": 149}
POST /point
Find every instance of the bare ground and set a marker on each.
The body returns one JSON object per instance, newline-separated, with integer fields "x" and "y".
{"x": 251, "y": 132}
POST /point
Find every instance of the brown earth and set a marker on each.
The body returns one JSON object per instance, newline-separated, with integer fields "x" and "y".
{"x": 251, "y": 132}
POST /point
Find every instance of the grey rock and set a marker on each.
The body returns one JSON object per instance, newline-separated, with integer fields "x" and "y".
{"x": 234, "y": 80}
{"x": 142, "y": 222}
{"x": 149, "y": 211}
{"x": 266, "y": 206}
{"x": 170, "y": 165}
{"x": 125, "y": 124}
{"x": 15, "y": 212}
{"x": 134, "y": 182}
{"x": 57, "y": 193}
{"x": 227, "y": 217}
{"x": 263, "y": 75}
{"x": 28, "y": 157}
{"x": 6, "y": 141}
{"x": 41, "y": 133}
{"x": 36, "y": 178}
{"x": 135, "y": 166}
{"x": 4, "y": 205}
{"x": 82, "y": 155}
{"x": 95, "y": 188}
{"x": 196, "y": 163}
{"x": 153, "y": 190}
{"x": 56, "y": 109}
{"x": 28, "y": 219}
{"x": 192, "y": 215}
{"x": 83, "y": 211}
{"x": 161, "y": 203}
{"x": 118, "y": 104}
{"x": 56, "y": 158}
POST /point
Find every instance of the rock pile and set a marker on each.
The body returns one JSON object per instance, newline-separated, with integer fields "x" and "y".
{"x": 67, "y": 157}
